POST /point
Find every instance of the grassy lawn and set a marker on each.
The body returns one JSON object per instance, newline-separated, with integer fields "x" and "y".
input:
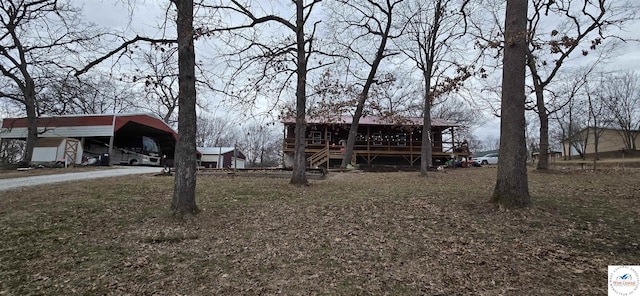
{"x": 351, "y": 233}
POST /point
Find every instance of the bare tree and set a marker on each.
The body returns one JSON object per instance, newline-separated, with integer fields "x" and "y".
{"x": 330, "y": 97}
{"x": 477, "y": 144}
{"x": 184, "y": 194}
{"x": 622, "y": 99}
{"x": 94, "y": 94}
{"x": 434, "y": 29}
{"x": 159, "y": 74}
{"x": 214, "y": 131}
{"x": 11, "y": 151}
{"x": 491, "y": 143}
{"x": 531, "y": 135}
{"x": 583, "y": 27}
{"x": 368, "y": 19}
{"x": 390, "y": 98}
{"x": 456, "y": 109}
{"x": 289, "y": 58}
{"x": 596, "y": 108}
{"x": 512, "y": 188}
{"x": 394, "y": 99}
{"x": 569, "y": 116}
{"x": 35, "y": 37}
{"x": 579, "y": 140}
{"x": 579, "y": 114}
{"x": 259, "y": 142}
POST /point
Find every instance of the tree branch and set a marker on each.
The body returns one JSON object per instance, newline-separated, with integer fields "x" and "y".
{"x": 118, "y": 49}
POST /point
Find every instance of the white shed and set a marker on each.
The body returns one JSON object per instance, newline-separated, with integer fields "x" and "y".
{"x": 48, "y": 150}
{"x": 221, "y": 157}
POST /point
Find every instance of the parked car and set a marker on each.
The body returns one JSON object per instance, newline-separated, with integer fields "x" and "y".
{"x": 491, "y": 158}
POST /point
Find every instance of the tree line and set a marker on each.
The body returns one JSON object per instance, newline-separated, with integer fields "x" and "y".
{"x": 308, "y": 56}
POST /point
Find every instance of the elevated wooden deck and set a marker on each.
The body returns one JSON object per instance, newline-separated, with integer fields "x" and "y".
{"x": 320, "y": 154}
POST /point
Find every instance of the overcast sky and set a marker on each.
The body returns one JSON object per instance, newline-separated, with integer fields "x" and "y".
{"x": 148, "y": 14}
{"x": 142, "y": 17}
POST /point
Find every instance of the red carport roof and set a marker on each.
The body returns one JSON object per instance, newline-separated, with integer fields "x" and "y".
{"x": 147, "y": 119}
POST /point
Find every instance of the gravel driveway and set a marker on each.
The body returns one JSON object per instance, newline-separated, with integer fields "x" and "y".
{"x": 8, "y": 184}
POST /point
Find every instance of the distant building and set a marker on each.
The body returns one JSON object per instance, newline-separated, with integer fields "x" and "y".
{"x": 221, "y": 157}
{"x": 610, "y": 141}
{"x": 554, "y": 154}
{"x": 378, "y": 141}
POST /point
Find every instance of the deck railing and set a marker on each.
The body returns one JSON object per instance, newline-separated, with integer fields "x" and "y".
{"x": 373, "y": 146}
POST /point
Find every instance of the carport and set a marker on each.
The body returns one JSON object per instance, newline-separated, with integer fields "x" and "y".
{"x": 97, "y": 130}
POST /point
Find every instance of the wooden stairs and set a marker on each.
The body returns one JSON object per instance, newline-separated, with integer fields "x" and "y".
{"x": 323, "y": 156}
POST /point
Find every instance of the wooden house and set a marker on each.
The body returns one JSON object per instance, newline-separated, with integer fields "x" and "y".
{"x": 379, "y": 141}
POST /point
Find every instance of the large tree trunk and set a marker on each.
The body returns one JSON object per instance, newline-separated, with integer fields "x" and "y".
{"x": 184, "y": 194}
{"x": 566, "y": 149}
{"x": 543, "y": 161}
{"x": 596, "y": 141}
{"x": 425, "y": 150}
{"x": 353, "y": 130}
{"x": 299, "y": 160}
{"x": 362, "y": 97}
{"x": 32, "y": 119}
{"x": 299, "y": 176}
{"x": 512, "y": 188}
{"x": 543, "y": 115}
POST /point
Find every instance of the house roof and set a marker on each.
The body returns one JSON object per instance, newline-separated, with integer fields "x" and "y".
{"x": 373, "y": 120}
{"x": 220, "y": 151}
{"x": 616, "y": 129}
{"x": 214, "y": 150}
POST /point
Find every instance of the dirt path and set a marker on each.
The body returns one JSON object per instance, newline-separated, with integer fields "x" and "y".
{"x": 13, "y": 183}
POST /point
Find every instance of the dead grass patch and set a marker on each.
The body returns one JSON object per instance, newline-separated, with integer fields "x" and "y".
{"x": 351, "y": 233}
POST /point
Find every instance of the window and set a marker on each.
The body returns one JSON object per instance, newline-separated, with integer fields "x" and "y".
{"x": 316, "y": 137}
{"x": 377, "y": 139}
{"x": 402, "y": 139}
{"x": 149, "y": 145}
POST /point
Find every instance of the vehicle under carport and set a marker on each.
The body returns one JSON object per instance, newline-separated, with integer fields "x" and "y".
{"x": 114, "y": 135}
